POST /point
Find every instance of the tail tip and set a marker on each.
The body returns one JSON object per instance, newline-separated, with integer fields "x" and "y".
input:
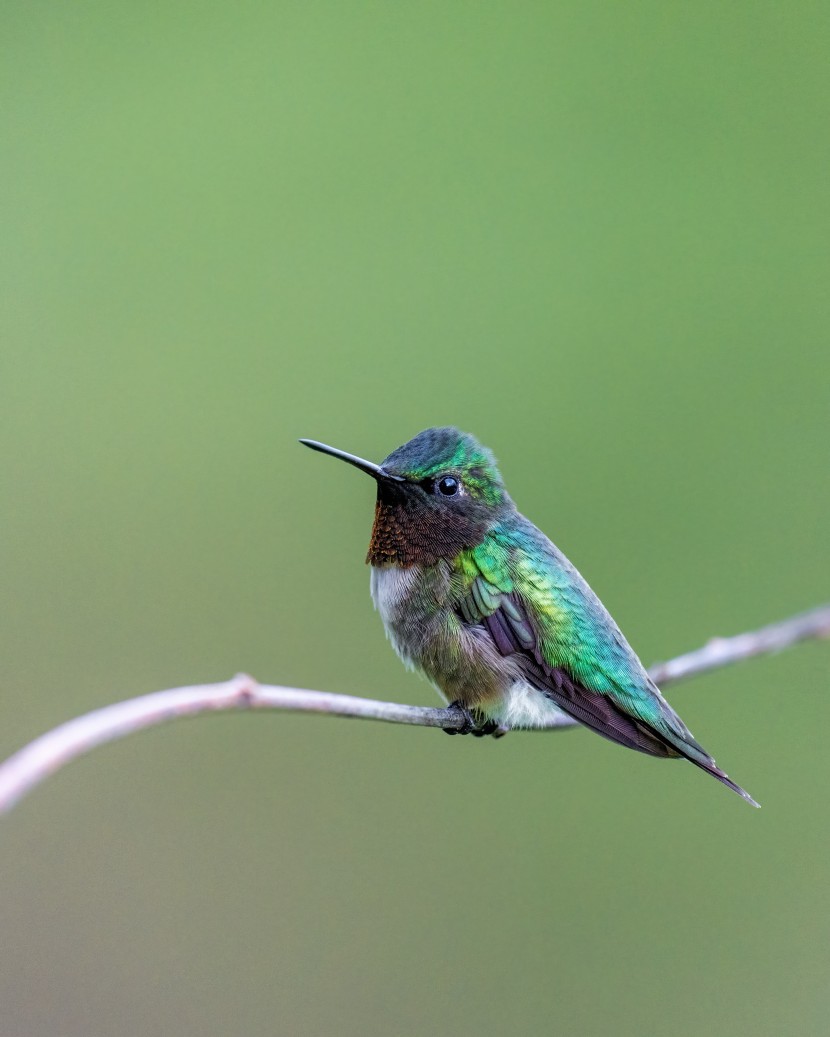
{"x": 752, "y": 802}
{"x": 737, "y": 788}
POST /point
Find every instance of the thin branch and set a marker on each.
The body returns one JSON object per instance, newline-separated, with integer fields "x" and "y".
{"x": 723, "y": 651}
{"x": 35, "y": 762}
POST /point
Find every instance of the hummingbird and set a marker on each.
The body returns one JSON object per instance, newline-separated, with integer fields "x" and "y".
{"x": 480, "y": 601}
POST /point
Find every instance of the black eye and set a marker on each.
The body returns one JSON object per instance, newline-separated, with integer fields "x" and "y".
{"x": 448, "y": 485}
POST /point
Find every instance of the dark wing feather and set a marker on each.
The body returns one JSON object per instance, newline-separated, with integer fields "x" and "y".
{"x": 504, "y": 616}
{"x": 508, "y": 628}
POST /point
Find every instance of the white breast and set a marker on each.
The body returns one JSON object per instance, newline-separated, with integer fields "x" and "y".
{"x": 392, "y": 589}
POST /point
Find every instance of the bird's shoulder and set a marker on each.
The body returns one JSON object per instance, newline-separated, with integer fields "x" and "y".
{"x": 534, "y": 601}
{"x": 519, "y": 568}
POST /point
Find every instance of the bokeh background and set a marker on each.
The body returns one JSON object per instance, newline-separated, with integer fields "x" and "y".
{"x": 596, "y": 236}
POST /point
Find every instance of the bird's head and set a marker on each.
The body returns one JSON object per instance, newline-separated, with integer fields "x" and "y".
{"x": 437, "y": 494}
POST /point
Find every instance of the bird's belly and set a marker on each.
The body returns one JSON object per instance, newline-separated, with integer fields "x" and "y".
{"x": 416, "y": 606}
{"x": 524, "y": 706}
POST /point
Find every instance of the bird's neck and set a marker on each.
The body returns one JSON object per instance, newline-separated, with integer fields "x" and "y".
{"x": 404, "y": 535}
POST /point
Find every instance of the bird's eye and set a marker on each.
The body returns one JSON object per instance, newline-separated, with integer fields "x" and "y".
{"x": 448, "y": 486}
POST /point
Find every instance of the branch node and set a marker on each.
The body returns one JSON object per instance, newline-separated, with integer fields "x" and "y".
{"x": 246, "y": 689}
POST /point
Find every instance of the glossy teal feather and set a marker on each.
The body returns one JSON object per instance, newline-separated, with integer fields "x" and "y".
{"x": 478, "y": 599}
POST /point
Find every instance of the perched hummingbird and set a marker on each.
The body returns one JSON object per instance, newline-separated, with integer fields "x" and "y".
{"x": 478, "y": 599}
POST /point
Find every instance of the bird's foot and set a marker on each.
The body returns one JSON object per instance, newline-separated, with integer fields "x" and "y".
{"x": 472, "y": 726}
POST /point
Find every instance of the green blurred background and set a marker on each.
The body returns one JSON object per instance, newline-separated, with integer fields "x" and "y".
{"x": 595, "y": 235}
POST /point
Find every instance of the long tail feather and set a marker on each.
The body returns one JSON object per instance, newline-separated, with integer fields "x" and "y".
{"x": 602, "y": 715}
{"x": 711, "y": 768}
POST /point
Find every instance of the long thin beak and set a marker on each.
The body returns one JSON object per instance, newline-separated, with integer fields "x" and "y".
{"x": 365, "y": 466}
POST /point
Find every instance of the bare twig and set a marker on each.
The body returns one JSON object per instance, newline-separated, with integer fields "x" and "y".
{"x": 47, "y": 754}
{"x": 723, "y": 651}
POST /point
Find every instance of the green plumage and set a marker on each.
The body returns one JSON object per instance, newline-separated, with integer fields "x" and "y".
{"x": 476, "y": 597}
{"x": 564, "y": 622}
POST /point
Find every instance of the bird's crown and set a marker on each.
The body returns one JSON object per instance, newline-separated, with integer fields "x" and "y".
{"x": 448, "y": 451}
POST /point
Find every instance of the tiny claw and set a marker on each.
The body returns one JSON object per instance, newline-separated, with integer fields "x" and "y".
{"x": 469, "y": 727}
{"x": 478, "y": 729}
{"x": 489, "y": 727}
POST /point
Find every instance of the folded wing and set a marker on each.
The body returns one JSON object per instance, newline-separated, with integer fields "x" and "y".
{"x": 569, "y": 648}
